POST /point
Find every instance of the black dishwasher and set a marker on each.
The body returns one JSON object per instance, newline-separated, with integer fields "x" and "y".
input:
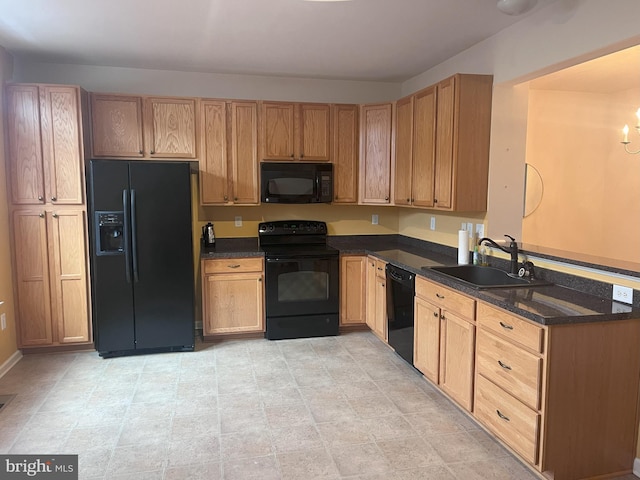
{"x": 400, "y": 293}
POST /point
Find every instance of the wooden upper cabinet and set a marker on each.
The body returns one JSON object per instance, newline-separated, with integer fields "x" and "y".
{"x": 244, "y": 153}
{"x": 462, "y": 142}
{"x": 214, "y": 172}
{"x": 143, "y": 127}
{"x": 295, "y": 131}
{"x": 423, "y": 151}
{"x": 116, "y": 126}
{"x": 229, "y": 152}
{"x": 171, "y": 127}
{"x": 345, "y": 153}
{"x": 45, "y": 144}
{"x": 404, "y": 147}
{"x": 375, "y": 154}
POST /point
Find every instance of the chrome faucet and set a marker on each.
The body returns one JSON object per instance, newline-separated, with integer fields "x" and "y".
{"x": 512, "y": 250}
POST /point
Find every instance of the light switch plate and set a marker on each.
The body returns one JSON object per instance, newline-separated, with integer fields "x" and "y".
{"x": 480, "y": 230}
{"x": 432, "y": 224}
{"x": 238, "y": 221}
{"x": 470, "y": 229}
{"x": 3, "y": 321}
{"x": 374, "y": 219}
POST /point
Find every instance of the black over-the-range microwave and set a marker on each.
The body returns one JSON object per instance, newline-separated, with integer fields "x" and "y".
{"x": 296, "y": 182}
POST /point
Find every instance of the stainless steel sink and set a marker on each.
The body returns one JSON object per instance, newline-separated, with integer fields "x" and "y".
{"x": 485, "y": 277}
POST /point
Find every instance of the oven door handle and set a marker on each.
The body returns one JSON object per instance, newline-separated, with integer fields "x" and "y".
{"x": 298, "y": 257}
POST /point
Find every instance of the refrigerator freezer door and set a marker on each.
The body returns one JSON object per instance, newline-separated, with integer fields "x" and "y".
{"x": 162, "y": 252}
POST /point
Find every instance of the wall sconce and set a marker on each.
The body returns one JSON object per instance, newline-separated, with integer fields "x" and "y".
{"x": 625, "y": 135}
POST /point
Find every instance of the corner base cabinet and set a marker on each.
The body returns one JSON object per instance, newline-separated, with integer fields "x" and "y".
{"x": 232, "y": 296}
{"x": 562, "y": 397}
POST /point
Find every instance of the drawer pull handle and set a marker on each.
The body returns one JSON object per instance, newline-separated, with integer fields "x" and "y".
{"x": 506, "y": 326}
{"x": 237, "y": 265}
{"x": 441, "y": 297}
{"x": 503, "y": 417}
{"x": 504, "y": 365}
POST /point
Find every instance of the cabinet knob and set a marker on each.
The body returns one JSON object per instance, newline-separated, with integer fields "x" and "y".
{"x": 40, "y": 198}
{"x": 386, "y": 198}
{"x": 302, "y": 155}
{"x": 442, "y": 318}
{"x": 140, "y": 152}
{"x": 55, "y": 215}
{"x": 292, "y": 155}
{"x": 226, "y": 198}
{"x": 235, "y": 199}
{"x": 53, "y": 199}
{"x": 152, "y": 152}
{"x": 435, "y": 314}
{"x": 408, "y": 201}
{"x": 260, "y": 279}
{"x": 435, "y": 200}
{"x": 41, "y": 215}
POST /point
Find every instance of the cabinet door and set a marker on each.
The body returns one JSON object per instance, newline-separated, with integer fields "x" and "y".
{"x": 32, "y": 277}
{"x": 171, "y": 127}
{"x": 426, "y": 341}
{"x": 345, "y": 153}
{"x": 69, "y": 275}
{"x": 277, "y": 131}
{"x": 62, "y": 148}
{"x": 424, "y": 147}
{"x": 244, "y": 152}
{"x": 370, "y": 310}
{"x": 233, "y": 303}
{"x": 404, "y": 146}
{"x": 24, "y": 145}
{"x": 315, "y": 136}
{"x": 375, "y": 154}
{"x": 213, "y": 156}
{"x": 381, "y": 308}
{"x": 353, "y": 274}
{"x": 457, "y": 341}
{"x": 444, "y": 143}
{"x": 116, "y": 126}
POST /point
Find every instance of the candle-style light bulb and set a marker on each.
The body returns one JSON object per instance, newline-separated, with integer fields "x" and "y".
{"x": 625, "y": 132}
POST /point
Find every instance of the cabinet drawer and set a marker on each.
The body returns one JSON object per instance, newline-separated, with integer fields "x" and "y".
{"x": 507, "y": 325}
{"x": 510, "y": 367}
{"x": 515, "y": 423}
{"x": 446, "y": 298}
{"x": 233, "y": 265}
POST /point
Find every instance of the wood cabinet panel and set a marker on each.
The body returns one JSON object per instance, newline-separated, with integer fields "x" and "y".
{"x": 426, "y": 343}
{"x": 233, "y": 265}
{"x": 444, "y": 144}
{"x": 457, "y": 346}
{"x": 510, "y": 367}
{"x": 423, "y": 152}
{"x": 62, "y": 145}
{"x": 404, "y": 151}
{"x": 171, "y": 128}
{"x": 315, "y": 136}
{"x": 510, "y": 420}
{"x": 69, "y": 275}
{"x": 32, "y": 277}
{"x": 24, "y": 144}
{"x": 446, "y": 298}
{"x": 278, "y": 141}
{"x": 244, "y": 153}
{"x": 375, "y": 154}
{"x": 345, "y": 154}
{"x": 376, "y": 310}
{"x": 116, "y": 122}
{"x": 509, "y": 326}
{"x": 214, "y": 173}
{"x": 353, "y": 274}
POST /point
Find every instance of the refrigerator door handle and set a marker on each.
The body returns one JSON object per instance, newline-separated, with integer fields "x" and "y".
{"x": 134, "y": 236}
{"x": 127, "y": 229}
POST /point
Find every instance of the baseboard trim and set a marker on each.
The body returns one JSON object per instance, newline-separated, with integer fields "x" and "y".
{"x": 15, "y": 358}
{"x": 636, "y": 467}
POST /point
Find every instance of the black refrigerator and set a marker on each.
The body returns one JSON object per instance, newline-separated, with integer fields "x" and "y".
{"x": 142, "y": 276}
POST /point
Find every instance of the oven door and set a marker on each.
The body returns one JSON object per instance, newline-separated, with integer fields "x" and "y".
{"x": 301, "y": 285}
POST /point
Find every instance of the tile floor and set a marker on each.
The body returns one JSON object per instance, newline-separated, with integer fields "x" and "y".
{"x": 329, "y": 408}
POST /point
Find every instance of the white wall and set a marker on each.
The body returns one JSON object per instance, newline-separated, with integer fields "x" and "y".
{"x": 166, "y": 82}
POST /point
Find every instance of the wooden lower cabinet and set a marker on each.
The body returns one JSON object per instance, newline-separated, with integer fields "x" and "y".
{"x": 353, "y": 290}
{"x": 562, "y": 397}
{"x": 233, "y": 296}
{"x": 376, "y": 310}
{"x": 444, "y": 339}
{"x": 51, "y": 277}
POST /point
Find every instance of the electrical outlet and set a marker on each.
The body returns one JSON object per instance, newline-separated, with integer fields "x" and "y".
{"x": 374, "y": 219}
{"x": 480, "y": 230}
{"x": 238, "y": 221}
{"x": 623, "y": 294}
{"x": 3, "y": 321}
{"x": 432, "y": 224}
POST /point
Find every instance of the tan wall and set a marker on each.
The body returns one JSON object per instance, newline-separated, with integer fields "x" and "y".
{"x": 591, "y": 186}
{"x": 8, "y": 336}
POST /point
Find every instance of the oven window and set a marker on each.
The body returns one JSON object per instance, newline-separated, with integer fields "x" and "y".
{"x": 303, "y": 286}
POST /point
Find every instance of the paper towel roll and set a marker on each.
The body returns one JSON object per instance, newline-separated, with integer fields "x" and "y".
{"x": 463, "y": 247}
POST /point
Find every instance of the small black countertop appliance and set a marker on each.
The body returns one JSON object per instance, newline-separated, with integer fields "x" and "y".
{"x": 208, "y": 237}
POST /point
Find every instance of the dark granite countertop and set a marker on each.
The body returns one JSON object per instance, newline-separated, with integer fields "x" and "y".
{"x": 570, "y": 300}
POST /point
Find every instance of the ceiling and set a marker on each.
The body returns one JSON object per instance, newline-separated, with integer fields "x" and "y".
{"x": 375, "y": 40}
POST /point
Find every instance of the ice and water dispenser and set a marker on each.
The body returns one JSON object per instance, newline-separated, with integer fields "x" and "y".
{"x": 109, "y": 233}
